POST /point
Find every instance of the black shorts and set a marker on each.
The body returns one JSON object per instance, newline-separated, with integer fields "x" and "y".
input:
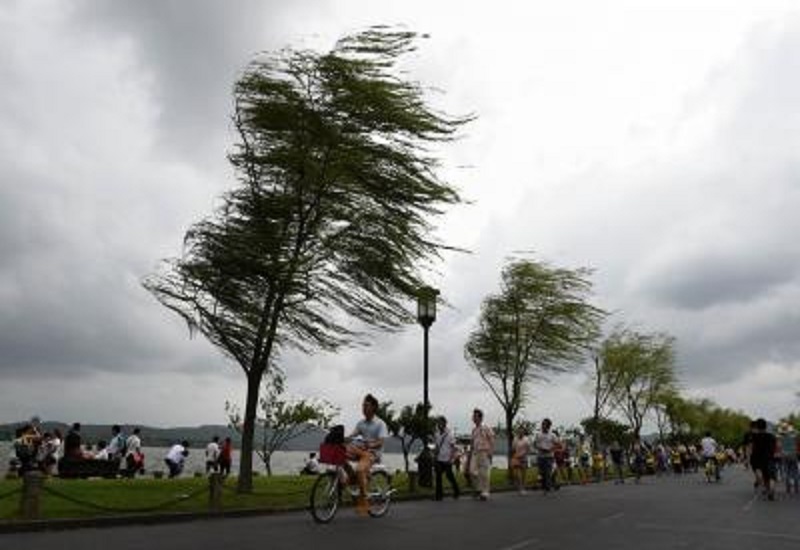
{"x": 764, "y": 467}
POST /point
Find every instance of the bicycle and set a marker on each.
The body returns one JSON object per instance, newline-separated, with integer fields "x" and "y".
{"x": 332, "y": 484}
{"x": 711, "y": 469}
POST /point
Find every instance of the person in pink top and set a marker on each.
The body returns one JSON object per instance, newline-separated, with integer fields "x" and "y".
{"x": 481, "y": 457}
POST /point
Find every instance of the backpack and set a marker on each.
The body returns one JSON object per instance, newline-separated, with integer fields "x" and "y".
{"x": 24, "y": 452}
{"x": 335, "y": 435}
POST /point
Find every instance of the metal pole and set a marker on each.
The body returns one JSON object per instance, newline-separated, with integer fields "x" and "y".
{"x": 425, "y": 372}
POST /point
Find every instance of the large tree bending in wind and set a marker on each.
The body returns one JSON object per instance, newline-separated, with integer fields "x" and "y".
{"x": 326, "y": 232}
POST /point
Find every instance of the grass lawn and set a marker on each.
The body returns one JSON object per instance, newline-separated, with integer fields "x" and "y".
{"x": 114, "y": 497}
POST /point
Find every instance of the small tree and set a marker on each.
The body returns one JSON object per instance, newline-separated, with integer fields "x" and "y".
{"x": 538, "y": 324}
{"x": 605, "y": 430}
{"x": 411, "y": 426}
{"x": 605, "y": 384}
{"x": 283, "y": 420}
{"x": 643, "y": 366}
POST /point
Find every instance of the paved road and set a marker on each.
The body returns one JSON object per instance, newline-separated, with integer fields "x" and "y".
{"x": 673, "y": 512}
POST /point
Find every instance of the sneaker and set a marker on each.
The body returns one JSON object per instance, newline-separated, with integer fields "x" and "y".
{"x": 484, "y": 496}
{"x": 522, "y": 492}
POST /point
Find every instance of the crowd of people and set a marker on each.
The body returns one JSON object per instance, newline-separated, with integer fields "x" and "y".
{"x": 49, "y": 451}
{"x": 772, "y": 455}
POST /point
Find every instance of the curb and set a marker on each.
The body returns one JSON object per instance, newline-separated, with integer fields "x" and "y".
{"x": 101, "y": 522}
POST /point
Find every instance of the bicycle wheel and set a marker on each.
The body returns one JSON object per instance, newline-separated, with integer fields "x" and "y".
{"x": 378, "y": 494}
{"x": 324, "y": 499}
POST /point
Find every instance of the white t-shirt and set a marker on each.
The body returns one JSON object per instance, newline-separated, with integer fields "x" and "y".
{"x": 445, "y": 443}
{"x": 709, "y": 447}
{"x": 175, "y": 454}
{"x": 372, "y": 430}
{"x": 544, "y": 443}
{"x": 312, "y": 465}
{"x": 212, "y": 452}
{"x": 58, "y": 447}
{"x": 133, "y": 444}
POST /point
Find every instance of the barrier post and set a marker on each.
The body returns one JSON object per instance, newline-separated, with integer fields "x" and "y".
{"x": 215, "y": 492}
{"x": 31, "y": 492}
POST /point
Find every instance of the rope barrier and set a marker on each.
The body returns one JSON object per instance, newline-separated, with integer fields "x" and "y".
{"x": 281, "y": 493}
{"x": 103, "y": 508}
{"x": 11, "y": 493}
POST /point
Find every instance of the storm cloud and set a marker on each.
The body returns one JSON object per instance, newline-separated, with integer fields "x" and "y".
{"x": 668, "y": 166}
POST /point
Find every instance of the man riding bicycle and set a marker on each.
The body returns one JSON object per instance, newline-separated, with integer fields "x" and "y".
{"x": 709, "y": 449}
{"x": 364, "y": 447}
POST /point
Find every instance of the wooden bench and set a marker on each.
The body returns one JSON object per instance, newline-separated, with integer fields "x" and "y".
{"x": 72, "y": 468}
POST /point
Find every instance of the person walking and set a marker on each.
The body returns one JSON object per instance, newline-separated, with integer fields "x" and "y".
{"x": 639, "y": 459}
{"x": 134, "y": 457}
{"x": 788, "y": 442}
{"x": 481, "y": 457}
{"x": 617, "y": 459}
{"x": 520, "y": 449}
{"x": 445, "y": 453}
{"x": 117, "y": 443}
{"x": 226, "y": 457}
{"x": 544, "y": 443}
{"x": 762, "y": 453}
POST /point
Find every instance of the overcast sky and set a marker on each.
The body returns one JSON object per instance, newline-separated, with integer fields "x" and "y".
{"x": 655, "y": 142}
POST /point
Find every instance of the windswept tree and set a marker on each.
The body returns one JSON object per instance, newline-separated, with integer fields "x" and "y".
{"x": 327, "y": 232}
{"x": 643, "y": 368}
{"x": 605, "y": 383}
{"x": 666, "y": 403}
{"x": 539, "y": 324}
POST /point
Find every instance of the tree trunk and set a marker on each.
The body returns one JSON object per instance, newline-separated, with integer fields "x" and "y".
{"x": 248, "y": 430}
{"x": 510, "y": 442}
{"x": 596, "y": 434}
{"x": 268, "y": 463}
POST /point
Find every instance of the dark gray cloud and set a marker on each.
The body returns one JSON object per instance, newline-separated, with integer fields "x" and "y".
{"x": 195, "y": 51}
{"x": 108, "y": 156}
{"x": 84, "y": 211}
{"x": 716, "y": 279}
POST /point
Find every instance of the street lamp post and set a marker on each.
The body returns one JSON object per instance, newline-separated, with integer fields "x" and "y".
{"x": 426, "y": 315}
